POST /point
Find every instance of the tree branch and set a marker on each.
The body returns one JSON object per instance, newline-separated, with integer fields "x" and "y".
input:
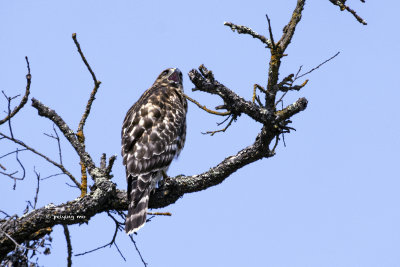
{"x": 60, "y": 166}
{"x": 24, "y": 98}
{"x": 233, "y": 103}
{"x": 45, "y": 111}
{"x": 106, "y": 197}
{"x": 246, "y": 30}
{"x": 79, "y": 133}
{"x": 278, "y": 52}
{"x": 205, "y": 108}
{"x": 69, "y": 246}
{"x": 343, "y": 7}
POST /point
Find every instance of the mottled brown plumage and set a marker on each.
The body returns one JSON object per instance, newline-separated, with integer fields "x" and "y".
{"x": 153, "y": 133}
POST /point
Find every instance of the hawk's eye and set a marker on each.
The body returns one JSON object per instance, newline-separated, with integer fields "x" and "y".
{"x": 165, "y": 72}
{"x": 180, "y": 75}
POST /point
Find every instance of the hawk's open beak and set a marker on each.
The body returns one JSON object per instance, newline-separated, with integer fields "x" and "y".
{"x": 175, "y": 76}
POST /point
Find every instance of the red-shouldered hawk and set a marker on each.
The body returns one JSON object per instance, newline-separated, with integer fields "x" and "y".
{"x": 153, "y": 133}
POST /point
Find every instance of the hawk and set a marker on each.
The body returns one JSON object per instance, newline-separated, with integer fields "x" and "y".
{"x": 153, "y": 133}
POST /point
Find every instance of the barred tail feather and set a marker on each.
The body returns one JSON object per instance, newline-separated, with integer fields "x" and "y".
{"x": 136, "y": 217}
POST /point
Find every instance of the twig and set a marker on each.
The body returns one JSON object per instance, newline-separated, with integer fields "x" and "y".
{"x": 83, "y": 186}
{"x": 118, "y": 227}
{"x": 160, "y": 213}
{"x": 69, "y": 246}
{"x": 17, "y": 150}
{"x": 103, "y": 161}
{"x": 222, "y": 122}
{"x": 276, "y": 144}
{"x": 74, "y": 186}
{"x": 80, "y": 134}
{"x": 37, "y": 188}
{"x": 270, "y": 32}
{"x": 21, "y": 165}
{"x": 149, "y": 219}
{"x": 326, "y": 61}
{"x": 281, "y": 99}
{"x": 137, "y": 249}
{"x": 119, "y": 251}
{"x": 111, "y": 161}
{"x": 9, "y": 99}
{"x": 283, "y": 139}
{"x": 61, "y": 167}
{"x": 246, "y": 30}
{"x": 57, "y": 174}
{"x": 18, "y": 245}
{"x": 259, "y": 101}
{"x": 289, "y": 80}
{"x": 206, "y": 109}
{"x": 222, "y": 130}
{"x": 83, "y": 58}
{"x": 292, "y": 87}
{"x": 5, "y": 214}
{"x": 94, "y": 91}
{"x": 11, "y": 175}
{"x": 24, "y": 98}
{"x": 344, "y": 7}
{"x": 57, "y": 138}
{"x": 298, "y": 72}
{"x": 259, "y": 87}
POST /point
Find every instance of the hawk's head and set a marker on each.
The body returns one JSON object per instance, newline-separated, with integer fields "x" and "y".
{"x": 171, "y": 76}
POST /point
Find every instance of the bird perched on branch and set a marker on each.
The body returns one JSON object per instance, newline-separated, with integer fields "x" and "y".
{"x": 153, "y": 133}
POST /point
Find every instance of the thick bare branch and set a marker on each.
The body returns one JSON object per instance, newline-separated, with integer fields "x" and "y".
{"x": 246, "y": 30}
{"x": 288, "y": 31}
{"x": 106, "y": 197}
{"x": 277, "y": 53}
{"x": 289, "y": 111}
{"x": 234, "y": 103}
{"x": 174, "y": 188}
{"x": 35, "y": 223}
{"x": 45, "y": 111}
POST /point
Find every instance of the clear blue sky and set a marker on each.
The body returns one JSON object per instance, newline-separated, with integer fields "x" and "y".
{"x": 329, "y": 198}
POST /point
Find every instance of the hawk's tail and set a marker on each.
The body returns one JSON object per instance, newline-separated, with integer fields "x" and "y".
{"x": 136, "y": 217}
